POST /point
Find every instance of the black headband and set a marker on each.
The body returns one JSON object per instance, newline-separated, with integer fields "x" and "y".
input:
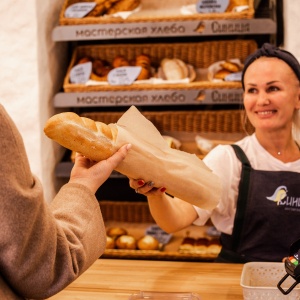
{"x": 272, "y": 51}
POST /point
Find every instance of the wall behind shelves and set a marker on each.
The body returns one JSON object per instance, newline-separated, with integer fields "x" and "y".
{"x": 32, "y": 70}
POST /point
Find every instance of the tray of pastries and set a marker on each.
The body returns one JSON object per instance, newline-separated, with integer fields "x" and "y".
{"x": 122, "y": 11}
{"x": 203, "y": 65}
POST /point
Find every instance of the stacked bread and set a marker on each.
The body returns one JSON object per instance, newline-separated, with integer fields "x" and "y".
{"x": 203, "y": 246}
{"x": 175, "y": 69}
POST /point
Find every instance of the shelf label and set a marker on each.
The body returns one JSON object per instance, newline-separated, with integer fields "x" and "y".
{"x": 212, "y": 6}
{"x": 79, "y": 10}
{"x": 164, "y": 29}
{"x": 81, "y": 73}
{"x": 150, "y": 97}
{"x": 123, "y": 75}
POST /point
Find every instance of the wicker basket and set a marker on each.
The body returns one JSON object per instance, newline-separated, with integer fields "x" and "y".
{"x": 213, "y": 121}
{"x": 137, "y": 214}
{"x": 200, "y": 55}
{"x": 155, "y": 11}
{"x": 125, "y": 211}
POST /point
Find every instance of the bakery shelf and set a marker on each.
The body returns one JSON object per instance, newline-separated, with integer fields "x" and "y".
{"x": 186, "y": 28}
{"x": 135, "y": 218}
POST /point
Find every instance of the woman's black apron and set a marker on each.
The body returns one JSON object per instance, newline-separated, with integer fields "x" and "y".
{"x": 267, "y": 219}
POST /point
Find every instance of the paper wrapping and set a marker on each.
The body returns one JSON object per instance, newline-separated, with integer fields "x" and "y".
{"x": 183, "y": 174}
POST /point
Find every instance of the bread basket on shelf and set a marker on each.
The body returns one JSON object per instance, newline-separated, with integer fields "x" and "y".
{"x": 215, "y": 121}
{"x": 135, "y": 217}
{"x": 157, "y": 11}
{"x": 199, "y": 55}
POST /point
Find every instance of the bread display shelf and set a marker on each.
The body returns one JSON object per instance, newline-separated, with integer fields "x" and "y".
{"x": 199, "y": 55}
{"x": 156, "y": 11}
{"x": 135, "y": 217}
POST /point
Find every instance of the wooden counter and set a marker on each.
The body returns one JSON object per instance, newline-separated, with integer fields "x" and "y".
{"x": 115, "y": 279}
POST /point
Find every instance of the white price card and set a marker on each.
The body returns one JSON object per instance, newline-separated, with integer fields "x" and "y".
{"x": 234, "y": 77}
{"x": 79, "y": 10}
{"x": 212, "y": 6}
{"x": 81, "y": 73}
{"x": 123, "y": 75}
{"x": 162, "y": 236}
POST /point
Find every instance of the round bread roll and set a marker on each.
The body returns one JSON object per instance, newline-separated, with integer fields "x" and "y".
{"x": 126, "y": 242}
{"x": 115, "y": 232}
{"x": 110, "y": 242}
{"x": 148, "y": 242}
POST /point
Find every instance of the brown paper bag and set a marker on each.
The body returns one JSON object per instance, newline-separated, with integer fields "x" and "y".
{"x": 183, "y": 175}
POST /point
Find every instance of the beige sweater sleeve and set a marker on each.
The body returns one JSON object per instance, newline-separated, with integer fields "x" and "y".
{"x": 43, "y": 247}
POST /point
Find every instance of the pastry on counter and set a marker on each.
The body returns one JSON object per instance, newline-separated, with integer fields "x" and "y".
{"x": 214, "y": 246}
{"x": 148, "y": 242}
{"x": 187, "y": 244}
{"x": 110, "y": 242}
{"x": 115, "y": 232}
{"x": 201, "y": 245}
{"x": 126, "y": 242}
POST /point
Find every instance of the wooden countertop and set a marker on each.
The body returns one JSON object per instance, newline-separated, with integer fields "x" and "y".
{"x": 116, "y": 279}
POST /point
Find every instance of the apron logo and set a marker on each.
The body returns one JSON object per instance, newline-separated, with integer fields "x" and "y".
{"x": 279, "y": 194}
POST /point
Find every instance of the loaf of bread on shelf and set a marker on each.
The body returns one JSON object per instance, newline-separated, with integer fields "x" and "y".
{"x": 95, "y": 140}
{"x": 175, "y": 69}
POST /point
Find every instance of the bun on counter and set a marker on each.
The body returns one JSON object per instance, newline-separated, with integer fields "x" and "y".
{"x": 116, "y": 232}
{"x": 148, "y": 242}
{"x": 110, "y": 243}
{"x": 126, "y": 242}
{"x": 95, "y": 140}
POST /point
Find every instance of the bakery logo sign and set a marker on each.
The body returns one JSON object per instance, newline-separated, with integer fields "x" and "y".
{"x": 281, "y": 198}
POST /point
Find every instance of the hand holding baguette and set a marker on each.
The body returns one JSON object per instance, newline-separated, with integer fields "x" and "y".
{"x": 150, "y": 157}
{"x": 95, "y": 140}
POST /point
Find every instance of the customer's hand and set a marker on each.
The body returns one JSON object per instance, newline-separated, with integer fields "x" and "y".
{"x": 93, "y": 174}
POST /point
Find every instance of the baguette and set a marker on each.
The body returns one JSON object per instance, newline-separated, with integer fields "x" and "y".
{"x": 95, "y": 140}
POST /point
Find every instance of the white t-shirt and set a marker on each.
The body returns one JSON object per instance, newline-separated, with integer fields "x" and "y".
{"x": 222, "y": 161}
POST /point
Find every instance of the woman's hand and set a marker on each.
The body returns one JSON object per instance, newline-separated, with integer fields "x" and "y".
{"x": 145, "y": 188}
{"x": 93, "y": 174}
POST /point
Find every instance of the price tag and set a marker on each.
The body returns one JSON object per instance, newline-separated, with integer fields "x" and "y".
{"x": 212, "y": 6}
{"x": 123, "y": 75}
{"x": 81, "y": 73}
{"x": 162, "y": 236}
{"x": 79, "y": 10}
{"x": 234, "y": 77}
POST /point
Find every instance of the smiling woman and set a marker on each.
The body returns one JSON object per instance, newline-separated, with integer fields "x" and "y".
{"x": 257, "y": 220}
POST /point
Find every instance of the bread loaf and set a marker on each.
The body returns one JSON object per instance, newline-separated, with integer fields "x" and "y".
{"x": 94, "y": 140}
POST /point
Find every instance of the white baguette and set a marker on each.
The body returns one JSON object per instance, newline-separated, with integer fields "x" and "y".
{"x": 95, "y": 140}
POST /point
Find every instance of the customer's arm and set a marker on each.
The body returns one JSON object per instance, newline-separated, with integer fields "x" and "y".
{"x": 45, "y": 247}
